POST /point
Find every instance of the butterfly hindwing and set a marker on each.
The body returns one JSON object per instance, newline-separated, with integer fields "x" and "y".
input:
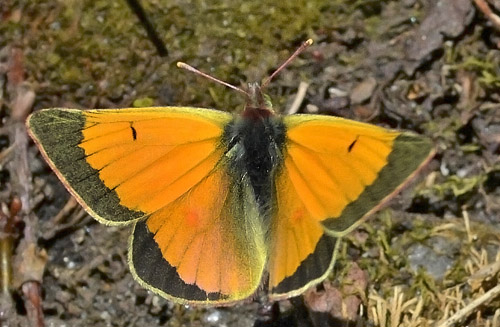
{"x": 334, "y": 173}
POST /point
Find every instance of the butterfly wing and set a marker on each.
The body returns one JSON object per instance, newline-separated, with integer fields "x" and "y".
{"x": 167, "y": 170}
{"x": 123, "y": 164}
{"x": 335, "y": 172}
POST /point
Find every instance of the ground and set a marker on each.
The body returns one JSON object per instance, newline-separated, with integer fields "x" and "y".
{"x": 428, "y": 66}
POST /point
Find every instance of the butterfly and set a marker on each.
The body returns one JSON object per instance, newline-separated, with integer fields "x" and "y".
{"x": 224, "y": 205}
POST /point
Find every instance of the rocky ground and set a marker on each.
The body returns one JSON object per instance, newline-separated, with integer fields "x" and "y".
{"x": 432, "y": 66}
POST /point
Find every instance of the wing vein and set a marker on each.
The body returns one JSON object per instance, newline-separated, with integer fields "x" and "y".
{"x": 103, "y": 135}
{"x": 199, "y": 256}
{"x": 186, "y": 194}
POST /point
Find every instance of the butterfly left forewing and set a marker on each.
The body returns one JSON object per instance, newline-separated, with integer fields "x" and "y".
{"x": 334, "y": 173}
{"x": 124, "y": 164}
{"x": 58, "y": 134}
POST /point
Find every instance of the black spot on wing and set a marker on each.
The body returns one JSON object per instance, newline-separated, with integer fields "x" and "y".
{"x": 349, "y": 149}
{"x": 134, "y": 132}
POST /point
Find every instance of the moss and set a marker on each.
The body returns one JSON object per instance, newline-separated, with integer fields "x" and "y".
{"x": 143, "y": 102}
{"x": 457, "y": 186}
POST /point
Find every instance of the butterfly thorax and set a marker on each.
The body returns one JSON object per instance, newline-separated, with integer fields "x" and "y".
{"x": 256, "y": 140}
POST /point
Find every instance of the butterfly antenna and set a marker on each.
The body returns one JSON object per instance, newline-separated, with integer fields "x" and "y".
{"x": 216, "y": 80}
{"x": 297, "y": 52}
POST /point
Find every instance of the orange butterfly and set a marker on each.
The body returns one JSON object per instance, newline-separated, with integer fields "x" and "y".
{"x": 223, "y": 204}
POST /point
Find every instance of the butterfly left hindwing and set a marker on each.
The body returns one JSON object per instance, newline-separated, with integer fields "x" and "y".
{"x": 218, "y": 259}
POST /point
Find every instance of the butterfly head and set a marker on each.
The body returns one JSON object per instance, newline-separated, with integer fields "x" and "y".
{"x": 258, "y": 103}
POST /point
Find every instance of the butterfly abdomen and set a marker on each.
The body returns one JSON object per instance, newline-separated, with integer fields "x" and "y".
{"x": 256, "y": 145}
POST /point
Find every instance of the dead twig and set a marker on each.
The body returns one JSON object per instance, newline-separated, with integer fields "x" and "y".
{"x": 301, "y": 93}
{"x": 29, "y": 261}
{"x": 483, "y": 6}
{"x": 22, "y": 100}
{"x": 33, "y": 301}
{"x": 77, "y": 217}
{"x": 469, "y": 309}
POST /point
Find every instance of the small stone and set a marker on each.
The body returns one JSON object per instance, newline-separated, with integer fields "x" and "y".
{"x": 363, "y": 91}
{"x": 435, "y": 256}
{"x": 213, "y": 317}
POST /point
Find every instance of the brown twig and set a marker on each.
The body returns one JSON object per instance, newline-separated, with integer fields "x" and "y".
{"x": 29, "y": 265}
{"x": 469, "y": 308}
{"x": 29, "y": 262}
{"x": 7, "y": 227}
{"x": 483, "y": 6}
{"x": 33, "y": 302}
{"x": 22, "y": 101}
{"x": 60, "y": 223}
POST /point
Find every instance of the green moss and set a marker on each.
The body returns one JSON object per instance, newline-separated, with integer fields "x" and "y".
{"x": 458, "y": 186}
{"x": 143, "y": 102}
{"x": 98, "y": 48}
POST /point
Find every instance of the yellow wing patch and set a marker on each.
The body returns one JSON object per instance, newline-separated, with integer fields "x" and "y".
{"x": 330, "y": 164}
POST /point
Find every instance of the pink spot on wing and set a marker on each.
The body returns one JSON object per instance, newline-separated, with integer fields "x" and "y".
{"x": 193, "y": 218}
{"x": 297, "y": 216}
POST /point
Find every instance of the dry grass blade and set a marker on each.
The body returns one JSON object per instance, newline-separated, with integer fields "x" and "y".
{"x": 301, "y": 93}
{"x": 470, "y": 308}
{"x": 396, "y": 312}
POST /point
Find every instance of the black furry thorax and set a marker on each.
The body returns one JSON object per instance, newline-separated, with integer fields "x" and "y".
{"x": 256, "y": 143}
